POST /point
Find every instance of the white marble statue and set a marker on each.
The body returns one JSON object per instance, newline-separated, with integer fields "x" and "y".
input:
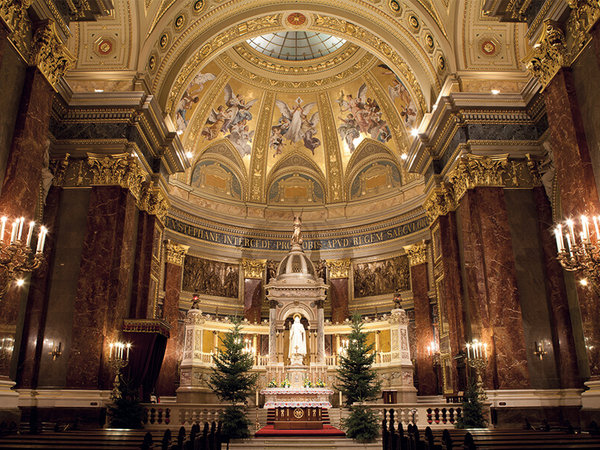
{"x": 297, "y": 340}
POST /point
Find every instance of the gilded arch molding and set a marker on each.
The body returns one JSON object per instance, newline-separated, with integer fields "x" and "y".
{"x": 198, "y": 44}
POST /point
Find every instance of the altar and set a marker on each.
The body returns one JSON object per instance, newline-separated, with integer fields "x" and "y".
{"x": 298, "y": 409}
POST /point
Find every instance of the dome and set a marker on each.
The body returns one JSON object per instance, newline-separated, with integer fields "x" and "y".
{"x": 296, "y": 265}
{"x": 296, "y": 45}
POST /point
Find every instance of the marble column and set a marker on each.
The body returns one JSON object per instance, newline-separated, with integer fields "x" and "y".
{"x": 565, "y": 353}
{"x": 339, "y": 273}
{"x": 417, "y": 256}
{"x": 577, "y": 187}
{"x": 3, "y": 41}
{"x": 320, "y": 333}
{"x": 147, "y": 257}
{"x": 175, "y": 258}
{"x": 273, "y": 332}
{"x": 491, "y": 287}
{"x": 102, "y": 299}
{"x": 21, "y": 185}
{"x": 254, "y": 275}
{"x": 449, "y": 286}
{"x": 595, "y": 32}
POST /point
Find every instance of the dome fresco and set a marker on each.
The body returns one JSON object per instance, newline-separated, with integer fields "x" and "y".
{"x": 307, "y": 127}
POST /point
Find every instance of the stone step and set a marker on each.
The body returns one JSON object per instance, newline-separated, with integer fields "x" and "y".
{"x": 302, "y": 443}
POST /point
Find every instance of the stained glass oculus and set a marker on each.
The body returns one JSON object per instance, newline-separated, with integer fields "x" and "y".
{"x": 296, "y": 45}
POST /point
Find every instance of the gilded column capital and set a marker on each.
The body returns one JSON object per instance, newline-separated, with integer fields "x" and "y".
{"x": 14, "y": 12}
{"x": 154, "y": 201}
{"x": 440, "y": 202}
{"x": 338, "y": 268}
{"x": 254, "y": 268}
{"x": 49, "y": 54}
{"x": 417, "y": 253}
{"x": 549, "y": 53}
{"x": 175, "y": 252}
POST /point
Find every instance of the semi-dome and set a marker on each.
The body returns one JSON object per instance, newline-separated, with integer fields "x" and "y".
{"x": 296, "y": 265}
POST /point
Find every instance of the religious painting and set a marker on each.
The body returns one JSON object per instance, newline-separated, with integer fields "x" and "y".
{"x": 360, "y": 117}
{"x": 191, "y": 97}
{"x": 399, "y": 95}
{"x": 216, "y": 178}
{"x": 208, "y": 277}
{"x": 296, "y": 189}
{"x": 297, "y": 124}
{"x": 376, "y": 178}
{"x": 231, "y": 120}
{"x": 381, "y": 277}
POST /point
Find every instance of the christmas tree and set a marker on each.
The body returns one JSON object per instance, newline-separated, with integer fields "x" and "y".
{"x": 358, "y": 383}
{"x": 472, "y": 409}
{"x": 126, "y": 410}
{"x": 232, "y": 382}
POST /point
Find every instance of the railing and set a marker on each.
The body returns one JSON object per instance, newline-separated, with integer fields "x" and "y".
{"x": 434, "y": 416}
{"x": 158, "y": 416}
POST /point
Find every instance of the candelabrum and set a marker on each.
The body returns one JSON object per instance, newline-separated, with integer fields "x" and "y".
{"x": 579, "y": 249}
{"x": 16, "y": 254}
{"x": 477, "y": 360}
{"x": 118, "y": 359}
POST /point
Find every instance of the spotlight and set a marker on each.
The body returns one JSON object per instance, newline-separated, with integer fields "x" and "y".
{"x": 495, "y": 91}
{"x": 20, "y": 282}
{"x": 414, "y": 132}
{"x": 189, "y": 155}
{"x": 404, "y": 156}
{"x": 583, "y": 282}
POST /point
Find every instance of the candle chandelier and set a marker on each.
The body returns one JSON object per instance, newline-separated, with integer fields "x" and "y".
{"x": 579, "y": 248}
{"x": 17, "y": 256}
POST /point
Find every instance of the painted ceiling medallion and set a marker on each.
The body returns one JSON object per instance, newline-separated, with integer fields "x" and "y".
{"x": 488, "y": 47}
{"x": 104, "y": 47}
{"x": 198, "y": 5}
{"x": 296, "y": 19}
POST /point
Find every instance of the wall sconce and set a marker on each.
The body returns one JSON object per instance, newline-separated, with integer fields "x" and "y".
{"x": 56, "y": 350}
{"x": 539, "y": 350}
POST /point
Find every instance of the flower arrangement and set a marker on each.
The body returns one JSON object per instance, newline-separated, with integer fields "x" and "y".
{"x": 272, "y": 384}
{"x": 307, "y": 383}
{"x": 320, "y": 383}
{"x": 285, "y": 383}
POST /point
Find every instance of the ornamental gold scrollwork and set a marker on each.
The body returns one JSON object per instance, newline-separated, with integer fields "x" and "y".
{"x": 417, "y": 253}
{"x": 154, "y": 201}
{"x": 49, "y": 54}
{"x": 338, "y": 268}
{"x": 254, "y": 268}
{"x": 259, "y": 151}
{"x": 175, "y": 252}
{"x": 440, "y": 202}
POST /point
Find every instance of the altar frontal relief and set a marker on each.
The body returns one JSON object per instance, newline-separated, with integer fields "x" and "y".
{"x": 381, "y": 277}
{"x": 210, "y": 277}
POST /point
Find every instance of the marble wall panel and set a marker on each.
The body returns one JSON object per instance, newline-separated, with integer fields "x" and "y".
{"x": 424, "y": 330}
{"x": 104, "y": 278}
{"x": 68, "y": 237}
{"x": 142, "y": 299}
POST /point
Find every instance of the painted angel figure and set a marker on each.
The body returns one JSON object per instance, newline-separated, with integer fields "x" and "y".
{"x": 295, "y": 125}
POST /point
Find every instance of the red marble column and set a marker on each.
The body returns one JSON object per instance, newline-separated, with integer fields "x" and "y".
{"x": 337, "y": 278}
{"x": 37, "y": 302}
{"x": 102, "y": 300}
{"x": 423, "y": 326}
{"x": 595, "y": 32}
{"x": 491, "y": 281}
{"x": 142, "y": 296}
{"x": 578, "y": 192}
{"x": 21, "y": 184}
{"x": 254, "y": 274}
{"x": 450, "y": 289}
{"x": 338, "y": 292}
{"x": 168, "y": 378}
{"x": 3, "y": 42}
{"x": 563, "y": 342}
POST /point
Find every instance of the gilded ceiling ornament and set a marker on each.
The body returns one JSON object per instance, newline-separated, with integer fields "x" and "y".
{"x": 254, "y": 268}
{"x": 338, "y": 268}
{"x": 417, "y": 254}
{"x": 549, "y": 53}
{"x": 199, "y": 5}
{"x": 333, "y": 158}
{"x": 258, "y": 160}
{"x": 175, "y": 252}
{"x": 49, "y": 54}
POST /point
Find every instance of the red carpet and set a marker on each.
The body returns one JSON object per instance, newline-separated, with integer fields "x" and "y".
{"x": 327, "y": 431}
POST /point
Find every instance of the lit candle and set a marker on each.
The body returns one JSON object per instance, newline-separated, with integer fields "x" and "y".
{"x": 596, "y": 227}
{"x": 3, "y": 220}
{"x": 42, "y": 239}
{"x": 559, "y": 243}
{"x": 569, "y": 244}
{"x": 21, "y": 222}
{"x": 128, "y": 347}
{"x": 585, "y": 228}
{"x": 30, "y": 232}
{"x": 110, "y": 351}
{"x": 485, "y": 350}
{"x": 468, "y": 351}
{"x": 13, "y": 234}
{"x": 571, "y": 230}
